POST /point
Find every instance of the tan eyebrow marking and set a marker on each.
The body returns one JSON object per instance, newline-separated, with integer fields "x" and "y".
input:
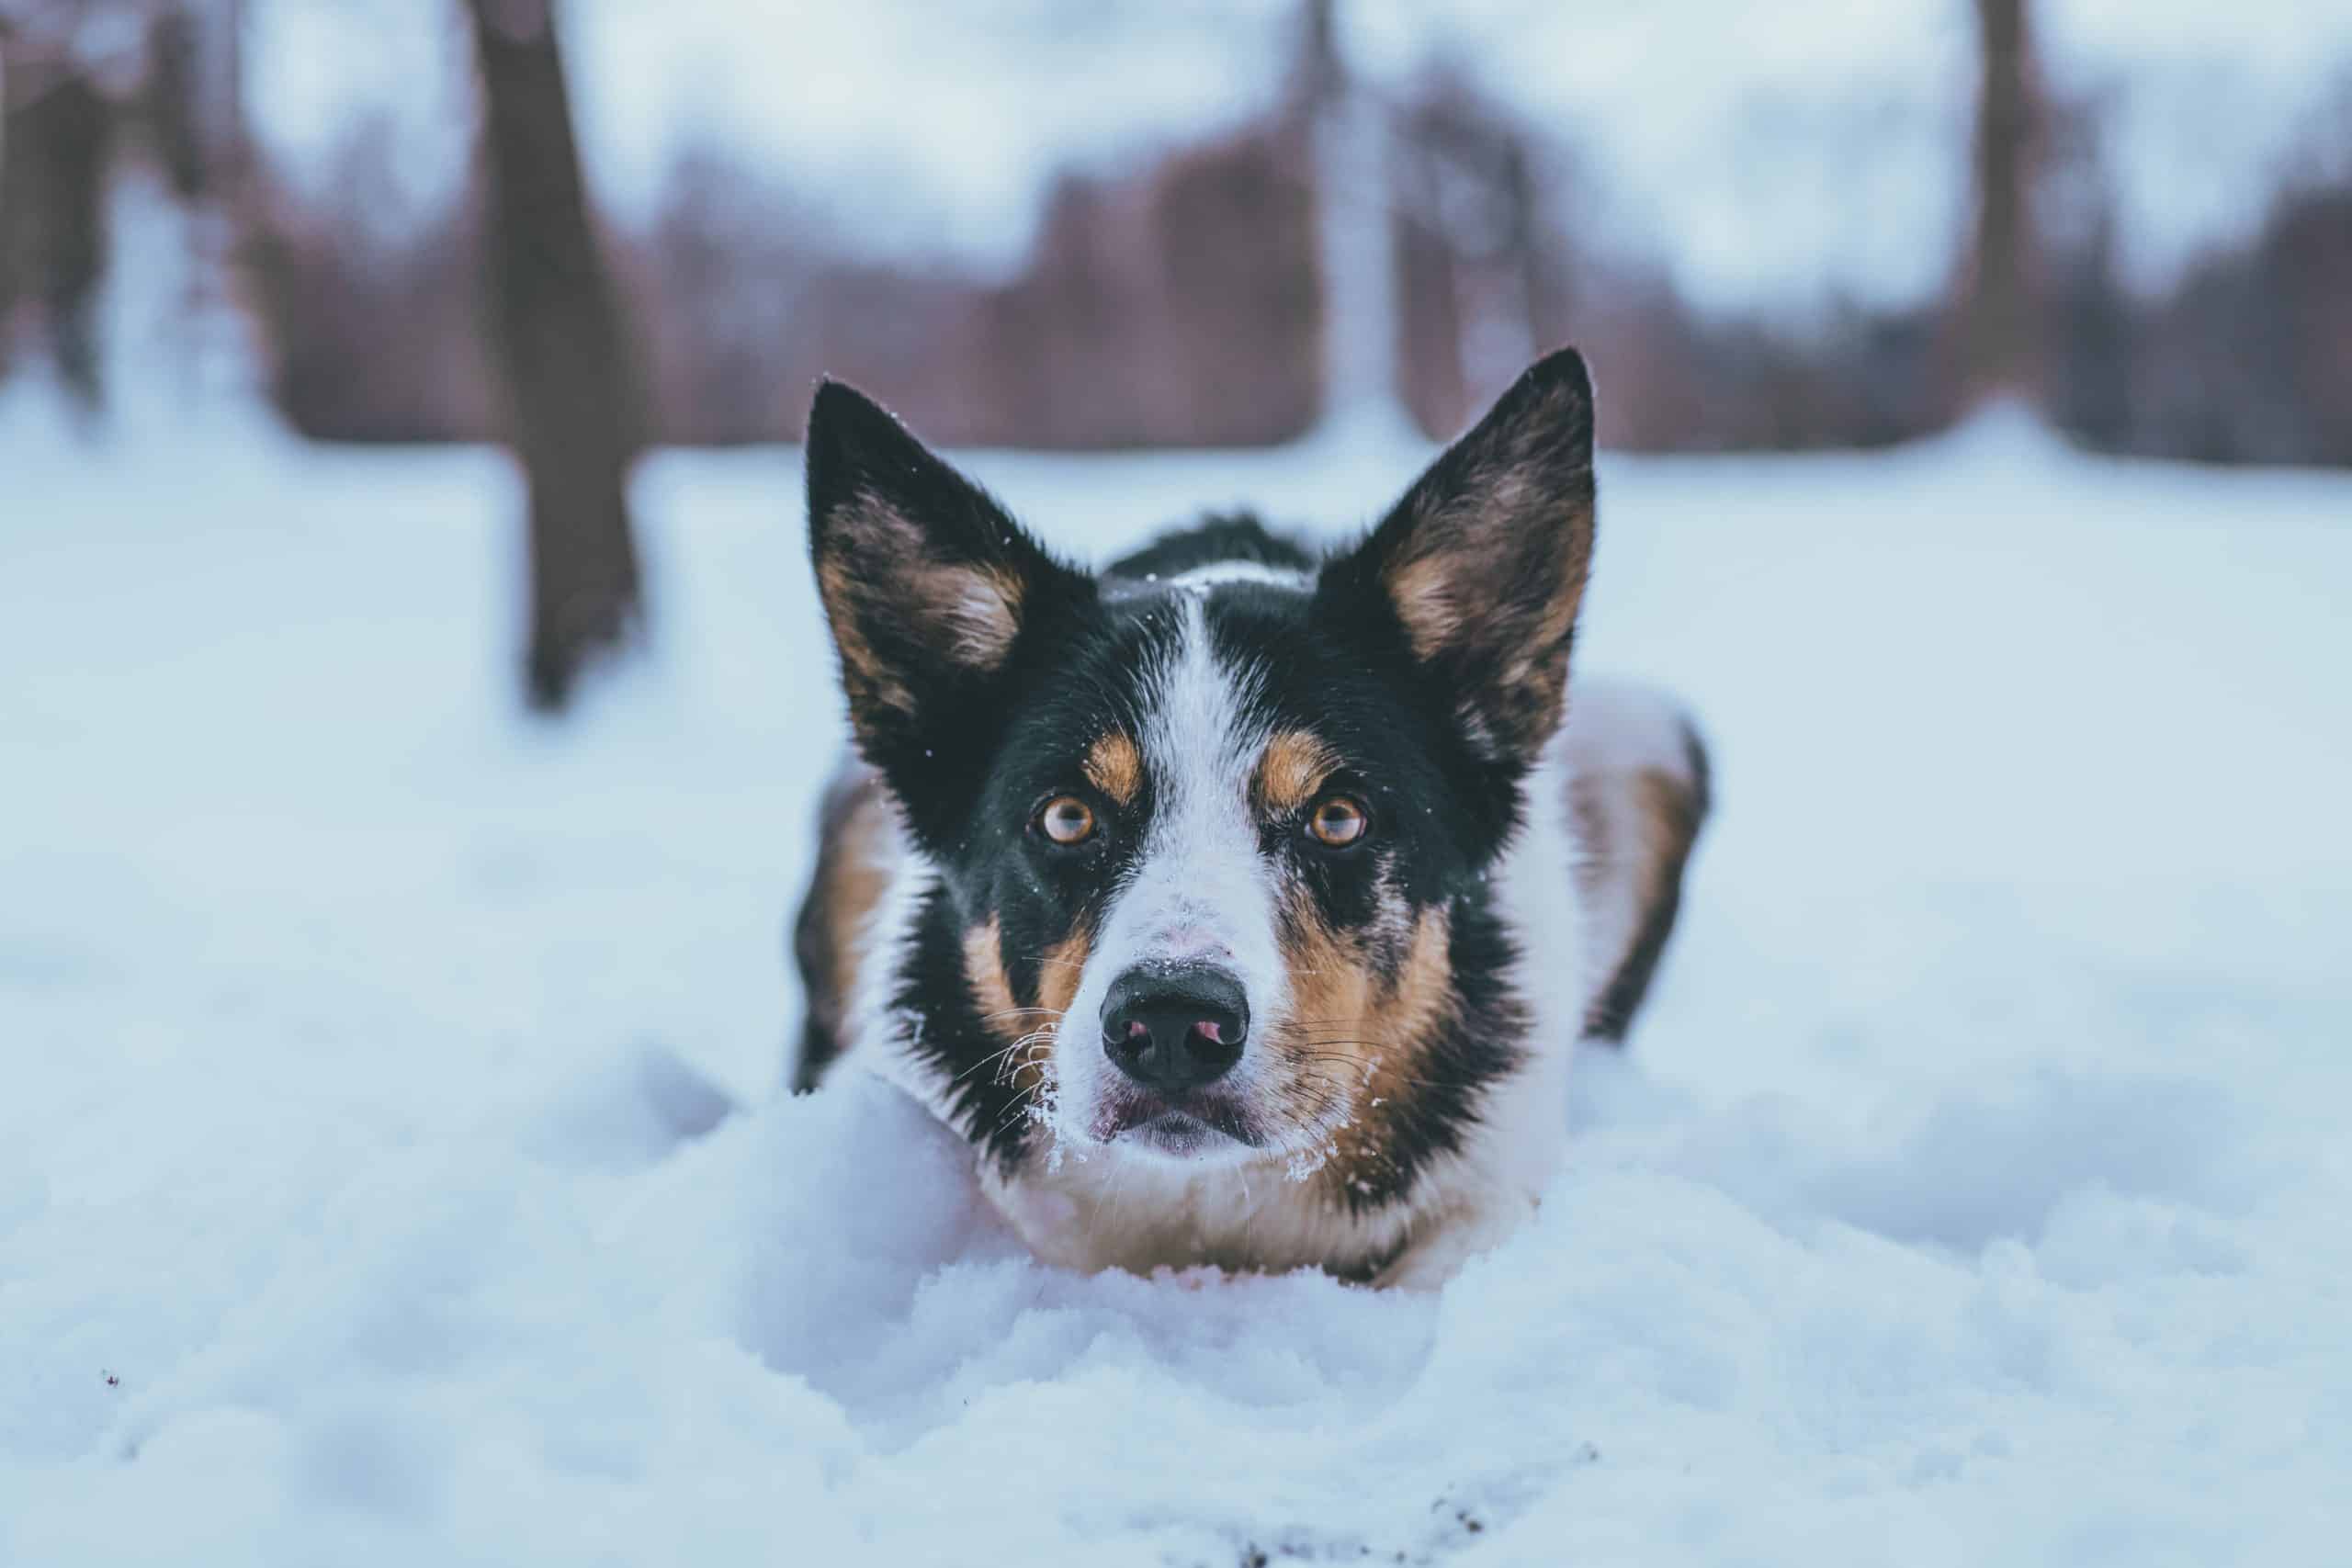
{"x": 1294, "y": 764}
{"x": 1114, "y": 766}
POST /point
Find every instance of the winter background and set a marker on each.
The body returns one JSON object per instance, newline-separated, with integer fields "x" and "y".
{"x": 393, "y": 1164}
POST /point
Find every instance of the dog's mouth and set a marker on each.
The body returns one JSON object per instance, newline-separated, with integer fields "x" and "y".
{"x": 1180, "y": 1125}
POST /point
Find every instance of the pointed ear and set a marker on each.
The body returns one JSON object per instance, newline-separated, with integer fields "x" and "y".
{"x": 926, "y": 581}
{"x": 1483, "y": 562}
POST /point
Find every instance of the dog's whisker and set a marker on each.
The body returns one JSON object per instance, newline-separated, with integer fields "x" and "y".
{"x": 992, "y": 1057}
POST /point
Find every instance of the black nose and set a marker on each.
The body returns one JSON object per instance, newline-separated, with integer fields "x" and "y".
{"x": 1174, "y": 1028}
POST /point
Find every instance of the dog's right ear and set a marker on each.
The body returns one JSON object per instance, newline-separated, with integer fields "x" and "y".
{"x": 926, "y": 581}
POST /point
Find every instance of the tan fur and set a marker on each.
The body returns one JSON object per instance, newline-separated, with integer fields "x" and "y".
{"x": 1361, "y": 1035}
{"x": 983, "y": 604}
{"x": 1637, "y": 829}
{"x": 1028, "y": 1031}
{"x": 1425, "y": 590}
{"x": 1064, "y": 966}
{"x": 1114, "y": 766}
{"x": 855, "y": 871}
{"x": 882, "y": 559}
{"x": 1291, "y": 770}
{"x": 1407, "y": 1016}
{"x": 1025, "y": 1048}
{"x": 1637, "y": 792}
{"x": 1670, "y": 813}
{"x": 1464, "y": 562}
{"x": 857, "y": 855}
{"x": 1422, "y": 591}
{"x": 1560, "y": 613}
{"x": 863, "y": 672}
{"x": 991, "y": 988}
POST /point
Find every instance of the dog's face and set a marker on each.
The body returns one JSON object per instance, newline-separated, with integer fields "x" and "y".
{"x": 1210, "y": 833}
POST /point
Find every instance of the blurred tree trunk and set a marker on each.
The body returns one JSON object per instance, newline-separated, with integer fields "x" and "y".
{"x": 558, "y": 335}
{"x": 8, "y": 197}
{"x": 1999, "y": 320}
{"x": 54, "y": 156}
{"x": 1355, "y": 250}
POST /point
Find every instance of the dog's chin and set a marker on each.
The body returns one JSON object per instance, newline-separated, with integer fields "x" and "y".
{"x": 1192, "y": 1129}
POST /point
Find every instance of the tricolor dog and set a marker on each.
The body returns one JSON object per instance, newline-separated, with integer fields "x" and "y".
{"x": 1241, "y": 904}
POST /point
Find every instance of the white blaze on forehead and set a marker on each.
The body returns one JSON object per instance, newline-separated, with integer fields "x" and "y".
{"x": 1217, "y": 571}
{"x": 1212, "y": 574}
{"x": 1200, "y": 890}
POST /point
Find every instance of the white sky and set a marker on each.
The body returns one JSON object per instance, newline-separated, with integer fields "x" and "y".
{"x": 1781, "y": 152}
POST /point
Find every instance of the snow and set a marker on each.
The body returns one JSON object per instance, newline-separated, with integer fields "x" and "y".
{"x": 390, "y": 1169}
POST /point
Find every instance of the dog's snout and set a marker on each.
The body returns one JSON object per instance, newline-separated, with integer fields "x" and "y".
{"x": 1175, "y": 1028}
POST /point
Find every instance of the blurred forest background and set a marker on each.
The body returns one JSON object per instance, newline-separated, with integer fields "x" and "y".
{"x": 1328, "y": 235}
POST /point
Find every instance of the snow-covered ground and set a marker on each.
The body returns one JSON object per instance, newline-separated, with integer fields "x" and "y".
{"x": 369, "y": 1192}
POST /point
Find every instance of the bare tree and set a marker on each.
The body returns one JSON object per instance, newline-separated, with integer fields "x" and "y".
{"x": 1356, "y": 251}
{"x": 55, "y": 154}
{"x": 558, "y": 335}
{"x": 1999, "y": 318}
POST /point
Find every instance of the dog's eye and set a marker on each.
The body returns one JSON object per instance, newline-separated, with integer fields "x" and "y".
{"x": 1339, "y": 821}
{"x": 1065, "y": 820}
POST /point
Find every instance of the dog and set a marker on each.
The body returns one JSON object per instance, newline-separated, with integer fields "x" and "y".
{"x": 1242, "y": 905}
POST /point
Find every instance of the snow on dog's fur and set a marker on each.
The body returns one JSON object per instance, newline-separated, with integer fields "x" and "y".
{"x": 1232, "y": 902}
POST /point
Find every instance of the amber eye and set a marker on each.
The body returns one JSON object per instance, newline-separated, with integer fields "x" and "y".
{"x": 1065, "y": 820}
{"x": 1339, "y": 821}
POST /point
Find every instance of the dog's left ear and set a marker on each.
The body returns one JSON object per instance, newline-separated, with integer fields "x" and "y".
{"x": 925, "y": 580}
{"x": 1483, "y": 562}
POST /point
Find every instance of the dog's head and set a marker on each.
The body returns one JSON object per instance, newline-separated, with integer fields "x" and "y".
{"x": 1210, "y": 829}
